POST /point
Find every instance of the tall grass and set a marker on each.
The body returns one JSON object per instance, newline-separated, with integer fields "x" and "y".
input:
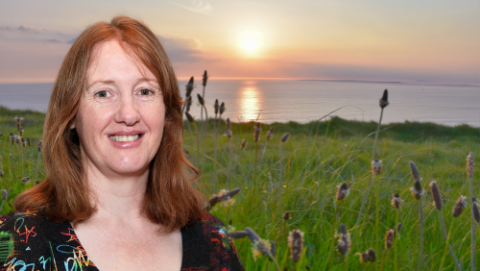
{"x": 315, "y": 164}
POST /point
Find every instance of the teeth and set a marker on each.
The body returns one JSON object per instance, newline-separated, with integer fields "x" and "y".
{"x": 124, "y": 138}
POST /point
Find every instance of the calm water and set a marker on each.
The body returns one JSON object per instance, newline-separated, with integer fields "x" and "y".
{"x": 305, "y": 101}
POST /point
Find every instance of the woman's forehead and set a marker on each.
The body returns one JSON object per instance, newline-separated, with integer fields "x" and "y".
{"x": 109, "y": 56}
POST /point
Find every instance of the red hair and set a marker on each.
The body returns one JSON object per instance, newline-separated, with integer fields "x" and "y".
{"x": 169, "y": 199}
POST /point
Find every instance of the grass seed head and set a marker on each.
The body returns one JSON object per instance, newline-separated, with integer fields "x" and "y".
{"x": 222, "y": 108}
{"x": 470, "y": 165}
{"x": 24, "y": 142}
{"x": 399, "y": 227}
{"x": 189, "y": 117}
{"x": 384, "y": 100}
{"x": 389, "y": 238}
{"x": 415, "y": 173}
{"x": 285, "y": 137}
{"x": 244, "y": 144}
{"x": 342, "y": 191}
{"x": 200, "y": 99}
{"x": 29, "y": 143}
{"x": 204, "y": 78}
{"x": 476, "y": 212}
{"x": 189, "y": 103}
{"x": 24, "y": 180}
{"x": 364, "y": 257}
{"x": 437, "y": 199}
{"x": 21, "y": 132}
{"x": 4, "y": 195}
{"x": 262, "y": 247}
{"x": 372, "y": 254}
{"x": 216, "y": 106}
{"x": 40, "y": 146}
{"x": 238, "y": 234}
{"x": 286, "y": 216}
{"x": 270, "y": 133}
{"x": 376, "y": 166}
{"x": 459, "y": 206}
{"x": 344, "y": 241}
{"x": 295, "y": 243}
{"x": 417, "y": 190}
{"x": 189, "y": 87}
{"x": 2, "y": 174}
{"x": 396, "y": 201}
{"x": 256, "y": 133}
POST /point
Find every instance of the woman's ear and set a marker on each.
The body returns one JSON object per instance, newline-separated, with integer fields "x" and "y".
{"x": 72, "y": 124}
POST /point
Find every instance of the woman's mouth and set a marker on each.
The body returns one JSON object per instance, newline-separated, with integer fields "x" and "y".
{"x": 125, "y": 138}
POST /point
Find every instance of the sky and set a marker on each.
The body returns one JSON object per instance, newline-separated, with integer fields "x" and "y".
{"x": 371, "y": 40}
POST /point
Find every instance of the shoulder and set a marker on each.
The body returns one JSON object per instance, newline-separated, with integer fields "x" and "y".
{"x": 207, "y": 243}
{"x": 21, "y": 239}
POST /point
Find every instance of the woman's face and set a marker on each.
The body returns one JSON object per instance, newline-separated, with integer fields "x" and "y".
{"x": 121, "y": 116}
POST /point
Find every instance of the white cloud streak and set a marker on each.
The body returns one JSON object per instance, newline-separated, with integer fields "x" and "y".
{"x": 197, "y": 7}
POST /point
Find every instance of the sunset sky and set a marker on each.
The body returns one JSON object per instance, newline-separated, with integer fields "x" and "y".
{"x": 410, "y": 41}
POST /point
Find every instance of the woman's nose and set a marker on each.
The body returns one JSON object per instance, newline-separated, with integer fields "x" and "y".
{"x": 127, "y": 111}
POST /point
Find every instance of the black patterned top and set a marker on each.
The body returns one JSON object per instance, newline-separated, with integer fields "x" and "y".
{"x": 29, "y": 241}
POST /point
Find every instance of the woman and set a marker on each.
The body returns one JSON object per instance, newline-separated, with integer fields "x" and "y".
{"x": 117, "y": 194}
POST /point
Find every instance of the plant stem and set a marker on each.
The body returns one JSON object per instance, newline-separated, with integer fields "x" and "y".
{"x": 371, "y": 175}
{"x": 445, "y": 250}
{"x": 473, "y": 225}
{"x": 215, "y": 155}
{"x": 444, "y": 231}
{"x": 395, "y": 255}
{"x": 420, "y": 213}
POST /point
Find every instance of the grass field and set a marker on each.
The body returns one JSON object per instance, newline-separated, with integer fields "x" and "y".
{"x": 301, "y": 176}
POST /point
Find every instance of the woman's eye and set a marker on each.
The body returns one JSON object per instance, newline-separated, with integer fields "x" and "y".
{"x": 145, "y": 92}
{"x": 102, "y": 94}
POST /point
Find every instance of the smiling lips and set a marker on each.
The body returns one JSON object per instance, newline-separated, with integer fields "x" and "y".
{"x": 124, "y": 138}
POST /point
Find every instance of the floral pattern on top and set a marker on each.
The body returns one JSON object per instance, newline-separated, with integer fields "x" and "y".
{"x": 29, "y": 242}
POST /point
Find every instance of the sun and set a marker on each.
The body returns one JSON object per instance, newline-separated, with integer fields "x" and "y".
{"x": 251, "y": 43}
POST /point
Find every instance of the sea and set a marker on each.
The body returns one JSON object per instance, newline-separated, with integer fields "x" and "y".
{"x": 303, "y": 101}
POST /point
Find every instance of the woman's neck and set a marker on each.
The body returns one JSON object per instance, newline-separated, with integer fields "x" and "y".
{"x": 117, "y": 197}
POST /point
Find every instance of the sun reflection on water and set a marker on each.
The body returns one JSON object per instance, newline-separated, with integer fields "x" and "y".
{"x": 250, "y": 101}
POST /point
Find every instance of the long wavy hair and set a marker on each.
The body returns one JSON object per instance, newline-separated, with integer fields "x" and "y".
{"x": 169, "y": 199}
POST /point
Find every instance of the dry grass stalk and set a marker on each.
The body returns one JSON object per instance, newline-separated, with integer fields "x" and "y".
{"x": 396, "y": 201}
{"x": 295, "y": 243}
{"x": 437, "y": 199}
{"x": 342, "y": 191}
{"x": 459, "y": 206}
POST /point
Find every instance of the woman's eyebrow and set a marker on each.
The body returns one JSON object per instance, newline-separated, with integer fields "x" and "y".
{"x": 100, "y": 81}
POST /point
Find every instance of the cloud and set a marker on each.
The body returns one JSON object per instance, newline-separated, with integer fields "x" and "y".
{"x": 197, "y": 7}
{"x": 22, "y": 28}
{"x": 181, "y": 49}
